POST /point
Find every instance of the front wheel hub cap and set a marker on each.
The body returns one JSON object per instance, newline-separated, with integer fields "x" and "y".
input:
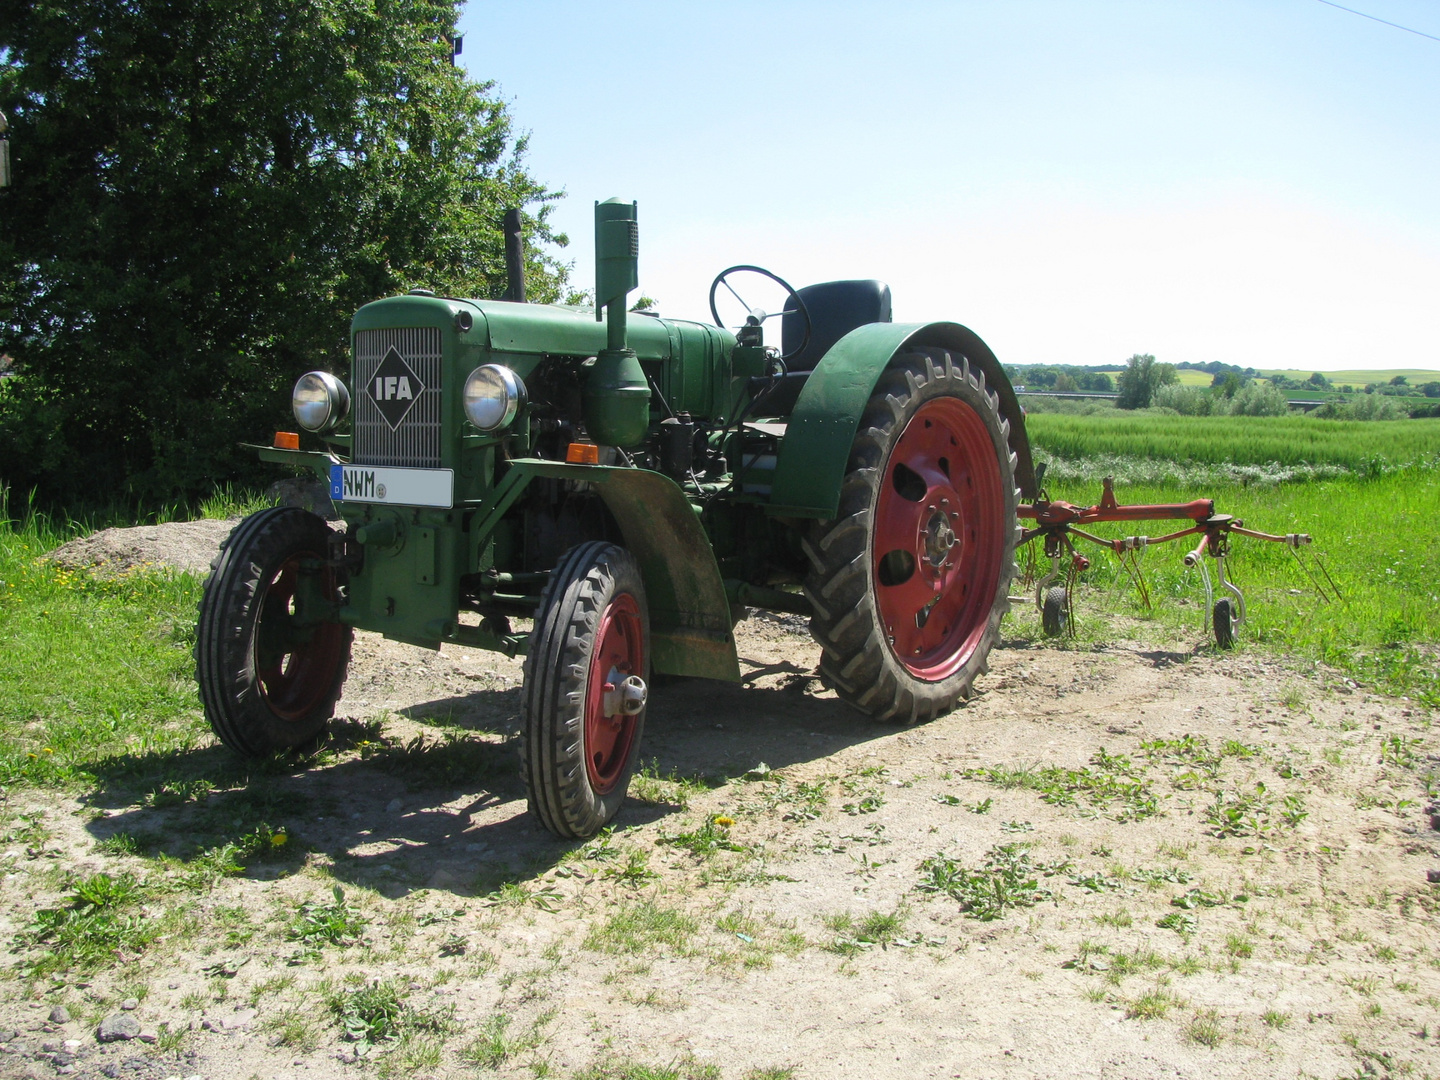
{"x": 623, "y": 695}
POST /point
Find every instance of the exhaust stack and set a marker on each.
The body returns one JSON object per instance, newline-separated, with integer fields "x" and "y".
{"x": 514, "y": 258}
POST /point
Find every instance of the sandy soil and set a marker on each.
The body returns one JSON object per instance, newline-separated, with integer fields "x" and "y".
{"x": 1300, "y": 947}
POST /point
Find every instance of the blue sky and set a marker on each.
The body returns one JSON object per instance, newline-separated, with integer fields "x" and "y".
{"x": 1253, "y": 182}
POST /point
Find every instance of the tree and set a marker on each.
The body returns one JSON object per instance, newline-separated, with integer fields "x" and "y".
{"x": 205, "y": 190}
{"x": 1141, "y": 378}
{"x": 1318, "y": 381}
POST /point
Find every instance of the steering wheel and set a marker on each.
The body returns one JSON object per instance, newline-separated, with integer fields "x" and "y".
{"x": 755, "y": 316}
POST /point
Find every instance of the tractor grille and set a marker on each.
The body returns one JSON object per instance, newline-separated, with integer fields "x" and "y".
{"x": 415, "y": 442}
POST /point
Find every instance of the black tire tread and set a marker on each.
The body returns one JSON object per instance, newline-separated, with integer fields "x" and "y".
{"x": 1223, "y": 621}
{"x": 854, "y": 660}
{"x": 227, "y": 618}
{"x": 1054, "y": 613}
{"x": 555, "y": 676}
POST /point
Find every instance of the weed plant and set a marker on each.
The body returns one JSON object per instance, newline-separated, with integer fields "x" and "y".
{"x": 1008, "y": 879}
{"x": 101, "y": 920}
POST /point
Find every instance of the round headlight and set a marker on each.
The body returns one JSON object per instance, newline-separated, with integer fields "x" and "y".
{"x": 320, "y": 401}
{"x": 493, "y": 395}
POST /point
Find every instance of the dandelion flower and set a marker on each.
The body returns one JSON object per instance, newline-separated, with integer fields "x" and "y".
{"x": 726, "y": 822}
{"x": 279, "y": 839}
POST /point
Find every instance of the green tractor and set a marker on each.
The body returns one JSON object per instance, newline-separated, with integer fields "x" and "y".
{"x": 625, "y": 489}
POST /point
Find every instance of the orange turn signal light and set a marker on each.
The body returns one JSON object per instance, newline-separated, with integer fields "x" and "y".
{"x": 287, "y": 440}
{"x": 582, "y": 453}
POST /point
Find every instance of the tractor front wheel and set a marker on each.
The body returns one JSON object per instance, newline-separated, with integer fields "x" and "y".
{"x": 910, "y": 581}
{"x": 583, "y": 708}
{"x": 270, "y": 656}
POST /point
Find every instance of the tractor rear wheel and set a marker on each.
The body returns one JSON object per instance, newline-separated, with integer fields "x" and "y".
{"x": 269, "y": 663}
{"x": 910, "y": 581}
{"x": 583, "y": 708}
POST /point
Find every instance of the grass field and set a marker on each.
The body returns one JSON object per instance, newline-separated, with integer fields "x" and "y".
{"x": 1357, "y": 446}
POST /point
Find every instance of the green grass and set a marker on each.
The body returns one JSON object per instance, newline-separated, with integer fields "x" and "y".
{"x": 92, "y": 669}
{"x": 1363, "y": 447}
{"x": 640, "y": 928}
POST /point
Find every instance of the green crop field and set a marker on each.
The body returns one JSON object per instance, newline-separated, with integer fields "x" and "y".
{"x": 1357, "y": 446}
{"x": 1190, "y": 377}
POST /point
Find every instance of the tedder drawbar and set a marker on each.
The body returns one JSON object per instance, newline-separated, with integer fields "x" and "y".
{"x": 627, "y": 485}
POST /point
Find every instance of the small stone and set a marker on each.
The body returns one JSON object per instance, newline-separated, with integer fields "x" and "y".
{"x": 1433, "y": 877}
{"x": 394, "y": 806}
{"x": 59, "y": 1015}
{"x": 72, "y": 1044}
{"x": 241, "y": 1021}
{"x": 7, "y": 1034}
{"x": 118, "y": 1027}
{"x": 174, "y": 986}
{"x": 148, "y": 1035}
{"x": 275, "y": 1040}
{"x": 130, "y": 1004}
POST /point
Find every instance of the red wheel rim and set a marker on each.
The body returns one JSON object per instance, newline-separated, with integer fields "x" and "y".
{"x": 939, "y": 538}
{"x": 619, "y": 650}
{"x": 297, "y": 665}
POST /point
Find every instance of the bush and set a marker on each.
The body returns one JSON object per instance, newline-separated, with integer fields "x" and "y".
{"x": 1258, "y": 398}
{"x": 1185, "y": 400}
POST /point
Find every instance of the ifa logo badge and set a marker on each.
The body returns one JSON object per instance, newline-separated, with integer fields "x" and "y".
{"x": 394, "y": 388}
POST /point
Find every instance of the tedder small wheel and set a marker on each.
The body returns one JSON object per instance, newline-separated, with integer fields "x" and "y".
{"x": 1224, "y": 622}
{"x": 1054, "y": 613}
{"x": 910, "y": 581}
{"x": 269, "y": 663}
{"x": 583, "y": 708}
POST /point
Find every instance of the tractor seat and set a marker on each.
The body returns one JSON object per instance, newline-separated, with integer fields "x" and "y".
{"x": 836, "y": 308}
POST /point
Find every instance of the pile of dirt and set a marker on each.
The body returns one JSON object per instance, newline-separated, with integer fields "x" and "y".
{"x": 187, "y": 546}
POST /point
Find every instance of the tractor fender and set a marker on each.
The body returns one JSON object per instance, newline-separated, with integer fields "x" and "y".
{"x": 816, "y": 448}
{"x": 689, "y": 615}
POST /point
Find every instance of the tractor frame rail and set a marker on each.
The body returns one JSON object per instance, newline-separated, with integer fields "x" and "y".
{"x": 1058, "y": 522}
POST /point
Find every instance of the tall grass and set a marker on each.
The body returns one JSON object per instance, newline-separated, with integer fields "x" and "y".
{"x": 90, "y": 668}
{"x": 1291, "y": 441}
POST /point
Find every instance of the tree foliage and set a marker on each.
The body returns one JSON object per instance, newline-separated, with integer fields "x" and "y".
{"x": 205, "y": 192}
{"x": 1141, "y": 378}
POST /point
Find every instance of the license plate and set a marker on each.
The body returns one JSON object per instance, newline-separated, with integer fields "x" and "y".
{"x": 403, "y": 487}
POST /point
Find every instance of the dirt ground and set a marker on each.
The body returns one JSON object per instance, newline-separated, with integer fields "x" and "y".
{"x": 786, "y": 892}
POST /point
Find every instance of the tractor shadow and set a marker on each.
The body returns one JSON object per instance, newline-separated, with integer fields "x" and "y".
{"x": 440, "y": 804}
